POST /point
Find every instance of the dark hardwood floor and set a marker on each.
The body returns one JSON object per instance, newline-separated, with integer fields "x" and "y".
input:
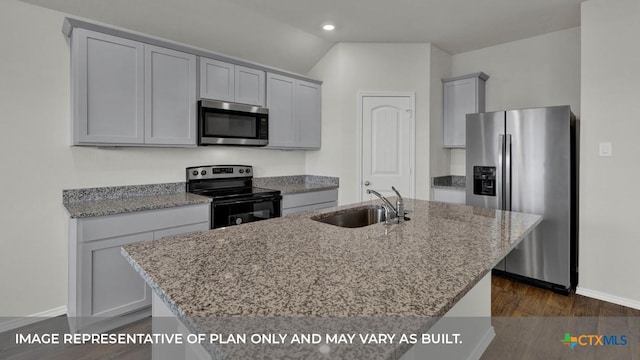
{"x": 529, "y": 323}
{"x": 59, "y": 325}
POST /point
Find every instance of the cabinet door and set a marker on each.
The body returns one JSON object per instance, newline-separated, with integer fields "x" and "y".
{"x": 460, "y": 99}
{"x": 110, "y": 285}
{"x": 107, "y": 89}
{"x": 249, "y": 86}
{"x": 281, "y": 101}
{"x": 296, "y": 203}
{"x": 449, "y": 196}
{"x": 217, "y": 80}
{"x": 308, "y": 114}
{"x": 170, "y": 97}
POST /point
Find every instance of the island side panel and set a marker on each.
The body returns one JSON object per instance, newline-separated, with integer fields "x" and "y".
{"x": 471, "y": 318}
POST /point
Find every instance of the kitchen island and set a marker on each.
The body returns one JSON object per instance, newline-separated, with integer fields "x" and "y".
{"x": 293, "y": 273}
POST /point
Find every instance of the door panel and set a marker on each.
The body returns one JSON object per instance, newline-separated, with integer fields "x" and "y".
{"x": 112, "y": 286}
{"x": 170, "y": 93}
{"x": 281, "y": 100}
{"x": 250, "y": 86}
{"x": 460, "y": 98}
{"x": 308, "y": 114}
{"x": 386, "y": 145}
{"x": 108, "y": 102}
{"x": 217, "y": 80}
{"x": 484, "y": 148}
{"x": 541, "y": 175}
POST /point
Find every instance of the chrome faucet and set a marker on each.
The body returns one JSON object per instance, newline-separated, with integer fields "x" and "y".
{"x": 399, "y": 204}
{"x": 392, "y": 214}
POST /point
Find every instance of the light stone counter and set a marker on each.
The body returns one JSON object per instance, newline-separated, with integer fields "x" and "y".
{"x": 297, "y": 183}
{"x": 102, "y": 201}
{"x": 296, "y": 267}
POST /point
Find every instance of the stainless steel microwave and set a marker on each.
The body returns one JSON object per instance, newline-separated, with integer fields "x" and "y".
{"x": 225, "y": 123}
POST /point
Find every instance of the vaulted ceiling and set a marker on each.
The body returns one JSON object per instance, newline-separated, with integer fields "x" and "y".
{"x": 287, "y": 34}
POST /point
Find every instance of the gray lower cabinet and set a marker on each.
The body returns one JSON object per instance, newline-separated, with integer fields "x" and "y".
{"x": 127, "y": 93}
{"x": 105, "y": 292}
{"x": 453, "y": 196}
{"x": 224, "y": 81}
{"x": 294, "y": 113}
{"x": 307, "y": 201}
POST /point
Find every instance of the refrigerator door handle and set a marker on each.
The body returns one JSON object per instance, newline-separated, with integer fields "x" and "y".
{"x": 507, "y": 173}
{"x": 500, "y": 182}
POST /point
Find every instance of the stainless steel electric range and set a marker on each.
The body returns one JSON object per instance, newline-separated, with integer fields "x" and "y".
{"x": 235, "y": 200}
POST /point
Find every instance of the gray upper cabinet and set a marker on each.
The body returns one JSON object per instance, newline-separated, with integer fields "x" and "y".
{"x": 294, "y": 113}
{"x": 128, "y": 93}
{"x": 250, "y": 86}
{"x": 228, "y": 82}
{"x": 107, "y": 89}
{"x": 170, "y": 97}
{"x": 134, "y": 90}
{"x": 462, "y": 95}
{"x": 308, "y": 114}
{"x": 217, "y": 80}
{"x": 281, "y": 104}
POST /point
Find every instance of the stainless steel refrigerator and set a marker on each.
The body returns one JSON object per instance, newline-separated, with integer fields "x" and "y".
{"x": 527, "y": 161}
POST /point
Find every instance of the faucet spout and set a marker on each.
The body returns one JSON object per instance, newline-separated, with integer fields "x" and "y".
{"x": 387, "y": 203}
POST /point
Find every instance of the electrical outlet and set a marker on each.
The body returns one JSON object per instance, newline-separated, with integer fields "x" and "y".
{"x": 606, "y": 149}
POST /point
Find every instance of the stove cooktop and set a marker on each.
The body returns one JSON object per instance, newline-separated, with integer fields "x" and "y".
{"x": 219, "y": 194}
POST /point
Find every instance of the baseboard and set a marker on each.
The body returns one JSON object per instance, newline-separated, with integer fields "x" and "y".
{"x": 483, "y": 344}
{"x": 609, "y": 298}
{"x": 17, "y": 322}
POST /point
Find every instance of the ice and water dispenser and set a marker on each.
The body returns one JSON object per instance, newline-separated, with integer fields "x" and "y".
{"x": 484, "y": 180}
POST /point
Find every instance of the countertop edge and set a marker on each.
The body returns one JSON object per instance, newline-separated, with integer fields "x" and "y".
{"x": 285, "y": 191}
{"x": 129, "y": 208}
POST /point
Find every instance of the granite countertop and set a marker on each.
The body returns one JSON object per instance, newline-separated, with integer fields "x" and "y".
{"x": 452, "y": 182}
{"x": 301, "y": 268}
{"x": 297, "y": 183}
{"x": 90, "y": 202}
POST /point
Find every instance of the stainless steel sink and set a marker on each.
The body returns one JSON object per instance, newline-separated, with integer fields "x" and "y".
{"x": 354, "y": 218}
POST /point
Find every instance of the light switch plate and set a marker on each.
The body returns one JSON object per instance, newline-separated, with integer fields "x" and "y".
{"x": 606, "y": 149}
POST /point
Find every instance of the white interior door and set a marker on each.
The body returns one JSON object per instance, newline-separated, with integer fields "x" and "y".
{"x": 387, "y": 143}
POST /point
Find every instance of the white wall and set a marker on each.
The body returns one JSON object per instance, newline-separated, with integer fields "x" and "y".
{"x": 351, "y": 67}
{"x": 610, "y": 97}
{"x": 246, "y": 34}
{"x": 37, "y": 163}
{"x": 440, "y": 158}
{"x": 539, "y": 71}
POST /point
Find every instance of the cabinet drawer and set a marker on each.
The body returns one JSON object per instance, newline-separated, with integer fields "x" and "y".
{"x": 117, "y": 225}
{"x": 311, "y": 207}
{"x": 308, "y": 198}
{"x": 449, "y": 196}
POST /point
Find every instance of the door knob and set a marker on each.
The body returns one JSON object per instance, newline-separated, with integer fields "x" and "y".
{"x": 367, "y": 183}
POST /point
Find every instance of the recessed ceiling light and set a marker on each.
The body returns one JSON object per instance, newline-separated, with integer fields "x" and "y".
{"x": 328, "y": 27}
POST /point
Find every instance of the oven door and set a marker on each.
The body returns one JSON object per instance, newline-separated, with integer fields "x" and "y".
{"x": 238, "y": 211}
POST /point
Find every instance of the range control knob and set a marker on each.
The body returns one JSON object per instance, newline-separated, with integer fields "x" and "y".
{"x": 241, "y": 171}
{"x": 203, "y": 172}
{"x": 194, "y": 172}
{"x": 248, "y": 170}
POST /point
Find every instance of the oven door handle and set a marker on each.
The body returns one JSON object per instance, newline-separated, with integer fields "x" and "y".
{"x": 248, "y": 201}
